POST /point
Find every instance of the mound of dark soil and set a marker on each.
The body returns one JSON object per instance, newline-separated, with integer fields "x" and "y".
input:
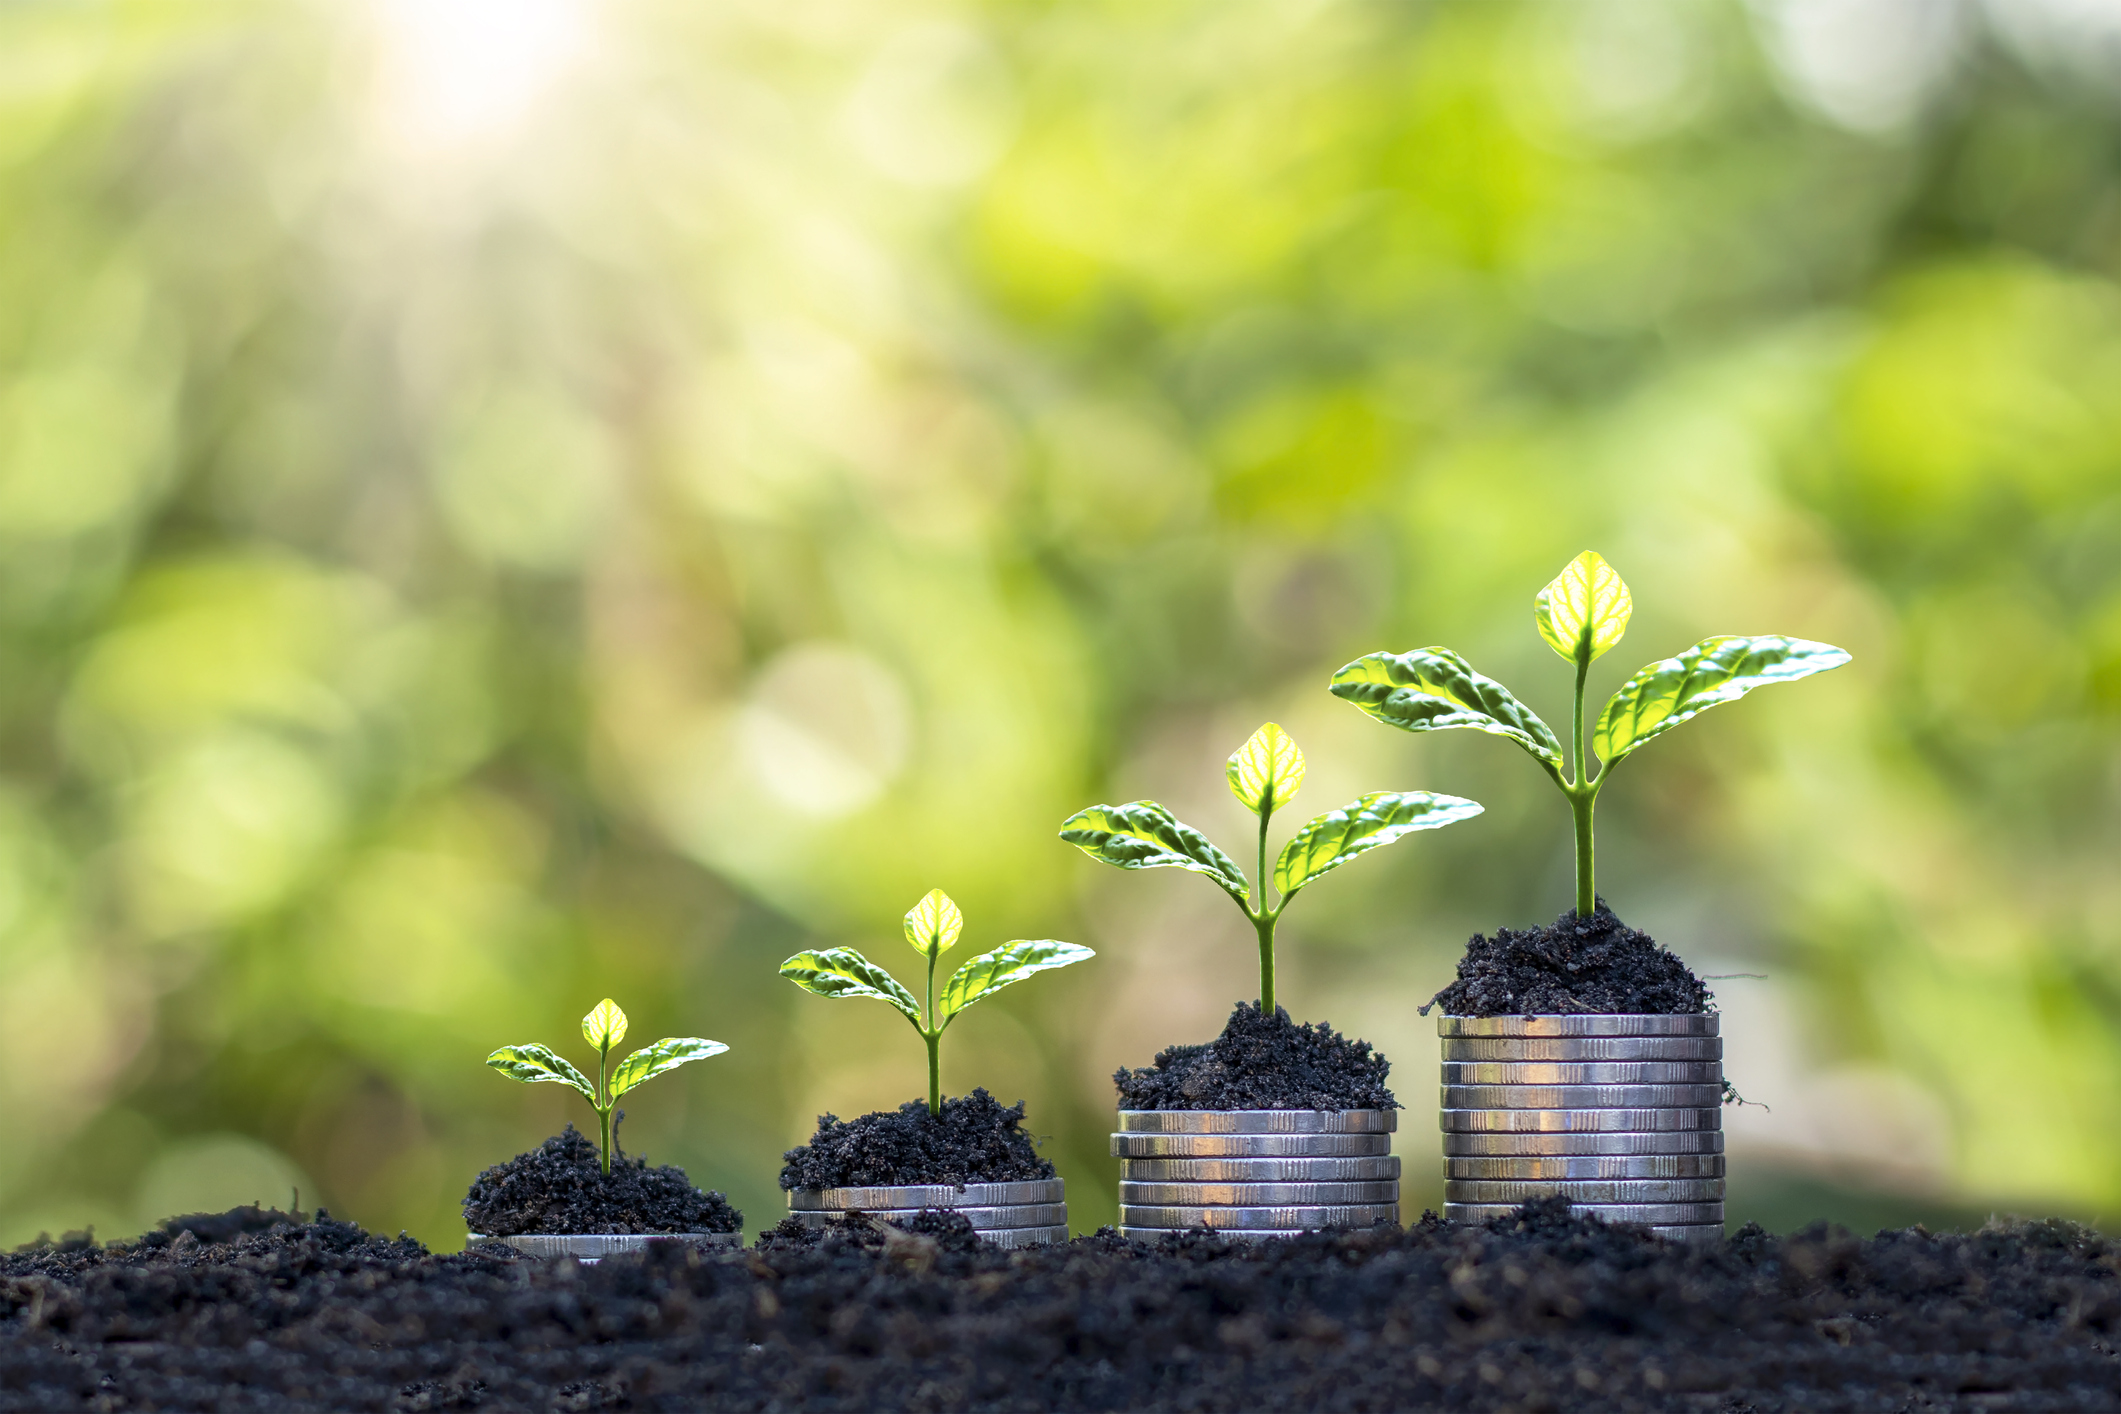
{"x": 1539, "y": 1311}
{"x": 1573, "y": 965}
{"x": 974, "y": 1140}
{"x": 1262, "y": 1063}
{"x": 561, "y": 1186}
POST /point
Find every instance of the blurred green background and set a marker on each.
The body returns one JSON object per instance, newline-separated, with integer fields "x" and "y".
{"x": 504, "y": 502}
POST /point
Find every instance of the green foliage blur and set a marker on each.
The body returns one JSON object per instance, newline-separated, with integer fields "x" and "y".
{"x": 507, "y": 502}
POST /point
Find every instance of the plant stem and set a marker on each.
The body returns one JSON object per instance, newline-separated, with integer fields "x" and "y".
{"x": 1583, "y": 795}
{"x": 1263, "y": 919}
{"x": 604, "y": 1106}
{"x": 933, "y": 1035}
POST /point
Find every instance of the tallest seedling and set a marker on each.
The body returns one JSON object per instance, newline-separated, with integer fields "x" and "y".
{"x": 1580, "y": 615}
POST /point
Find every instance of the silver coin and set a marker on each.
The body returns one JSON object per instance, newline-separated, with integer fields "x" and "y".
{"x": 1012, "y": 1215}
{"x": 1576, "y": 1121}
{"x": 930, "y": 1195}
{"x": 1262, "y": 1146}
{"x": 1259, "y": 1170}
{"x": 1527, "y": 1168}
{"x": 1589, "y": 1190}
{"x": 1258, "y": 1121}
{"x": 1580, "y": 1097}
{"x": 1025, "y": 1236}
{"x": 1686, "y": 1024}
{"x": 1256, "y": 1194}
{"x": 1293, "y": 1217}
{"x": 1599, "y": 1073}
{"x": 1686, "y": 1141}
{"x": 1653, "y": 1214}
{"x": 1582, "y": 1048}
{"x": 587, "y": 1247}
{"x": 1690, "y": 1233}
{"x": 1228, "y": 1234}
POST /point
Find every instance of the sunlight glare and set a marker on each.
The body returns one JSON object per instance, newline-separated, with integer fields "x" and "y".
{"x": 465, "y": 73}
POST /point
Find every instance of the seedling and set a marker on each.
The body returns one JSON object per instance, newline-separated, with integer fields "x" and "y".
{"x": 1264, "y": 775}
{"x": 1580, "y": 615}
{"x": 932, "y": 926}
{"x": 604, "y": 1028}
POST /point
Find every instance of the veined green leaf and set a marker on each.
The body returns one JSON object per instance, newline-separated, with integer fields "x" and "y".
{"x": 933, "y": 924}
{"x": 666, "y": 1054}
{"x": 1143, "y": 835}
{"x": 1011, "y": 963}
{"x": 533, "y": 1064}
{"x": 1433, "y": 689}
{"x": 1379, "y": 818}
{"x": 1722, "y": 669}
{"x": 843, "y": 972}
{"x": 1586, "y": 604}
{"x": 605, "y": 1026}
{"x": 1267, "y": 770}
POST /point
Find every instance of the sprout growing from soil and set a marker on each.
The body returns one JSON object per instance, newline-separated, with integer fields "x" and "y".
{"x": 604, "y": 1028}
{"x": 932, "y": 926}
{"x": 1264, "y": 774}
{"x": 1580, "y": 615}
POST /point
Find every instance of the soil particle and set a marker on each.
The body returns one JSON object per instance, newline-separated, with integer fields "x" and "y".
{"x": 560, "y": 1186}
{"x": 1262, "y": 1063}
{"x": 1540, "y": 1310}
{"x": 1573, "y": 965}
{"x": 974, "y": 1140}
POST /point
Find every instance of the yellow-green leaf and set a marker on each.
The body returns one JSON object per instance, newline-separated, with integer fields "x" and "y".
{"x": 1011, "y": 963}
{"x": 1267, "y": 770}
{"x": 534, "y": 1064}
{"x": 1722, "y": 669}
{"x": 1338, "y": 836}
{"x": 666, "y": 1054}
{"x": 1433, "y": 689}
{"x": 843, "y": 972}
{"x": 933, "y": 924}
{"x": 1585, "y": 610}
{"x": 1143, "y": 835}
{"x": 605, "y": 1026}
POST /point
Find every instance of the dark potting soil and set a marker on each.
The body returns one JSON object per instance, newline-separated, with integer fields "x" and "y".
{"x": 1539, "y": 1311}
{"x": 1262, "y": 1063}
{"x": 976, "y": 1139}
{"x": 561, "y": 1186}
{"x": 1573, "y": 965}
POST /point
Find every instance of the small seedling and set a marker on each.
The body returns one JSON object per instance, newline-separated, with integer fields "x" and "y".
{"x": 932, "y": 926}
{"x": 604, "y": 1028}
{"x": 1264, "y": 775}
{"x": 1580, "y": 615}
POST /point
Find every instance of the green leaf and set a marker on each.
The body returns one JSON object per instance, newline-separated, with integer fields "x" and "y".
{"x": 1585, "y": 609}
{"x": 1267, "y": 770}
{"x": 933, "y": 924}
{"x": 1006, "y": 965}
{"x": 534, "y": 1064}
{"x": 605, "y": 1026}
{"x": 666, "y": 1054}
{"x": 1379, "y": 818}
{"x": 843, "y": 972}
{"x": 1433, "y": 689}
{"x": 1143, "y": 835}
{"x": 1722, "y": 669}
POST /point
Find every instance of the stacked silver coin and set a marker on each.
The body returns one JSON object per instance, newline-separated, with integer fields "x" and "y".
{"x": 587, "y": 1247}
{"x": 1255, "y": 1173}
{"x": 1621, "y": 1114}
{"x": 1025, "y": 1214}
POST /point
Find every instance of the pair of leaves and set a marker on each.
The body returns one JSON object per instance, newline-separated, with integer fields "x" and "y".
{"x": 843, "y": 972}
{"x": 534, "y": 1063}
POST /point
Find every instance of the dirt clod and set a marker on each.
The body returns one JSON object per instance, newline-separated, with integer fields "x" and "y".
{"x": 976, "y": 1139}
{"x": 1262, "y": 1063}
{"x": 1572, "y": 966}
{"x": 560, "y": 1186}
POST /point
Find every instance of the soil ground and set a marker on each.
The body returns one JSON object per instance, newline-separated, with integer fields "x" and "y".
{"x": 560, "y": 1186}
{"x": 1262, "y": 1063}
{"x": 1543, "y": 1311}
{"x": 976, "y": 1139}
{"x": 1573, "y": 965}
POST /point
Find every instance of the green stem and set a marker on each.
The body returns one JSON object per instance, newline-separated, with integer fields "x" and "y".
{"x": 933, "y": 1035}
{"x": 1263, "y": 921}
{"x": 1583, "y": 796}
{"x": 604, "y": 1107}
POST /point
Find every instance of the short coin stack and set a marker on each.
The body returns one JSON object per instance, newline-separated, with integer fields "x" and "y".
{"x": 1621, "y": 1114}
{"x": 1255, "y": 1173}
{"x": 1025, "y": 1214}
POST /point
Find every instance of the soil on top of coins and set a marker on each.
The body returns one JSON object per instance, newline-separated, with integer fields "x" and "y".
{"x": 1541, "y": 1310}
{"x": 560, "y": 1186}
{"x": 976, "y": 1139}
{"x": 1572, "y": 966}
{"x": 1262, "y": 1062}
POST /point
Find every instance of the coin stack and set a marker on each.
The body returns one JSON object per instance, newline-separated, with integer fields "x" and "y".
{"x": 1255, "y": 1173}
{"x": 1621, "y": 1114}
{"x": 1026, "y": 1214}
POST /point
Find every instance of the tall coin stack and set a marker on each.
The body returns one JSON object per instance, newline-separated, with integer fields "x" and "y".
{"x": 1029, "y": 1213}
{"x": 1621, "y": 1114}
{"x": 1255, "y": 1173}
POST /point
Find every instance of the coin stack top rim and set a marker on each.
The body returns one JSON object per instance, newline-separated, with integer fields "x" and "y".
{"x": 1698, "y": 1023}
{"x": 1258, "y": 1121}
{"x": 928, "y": 1195}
